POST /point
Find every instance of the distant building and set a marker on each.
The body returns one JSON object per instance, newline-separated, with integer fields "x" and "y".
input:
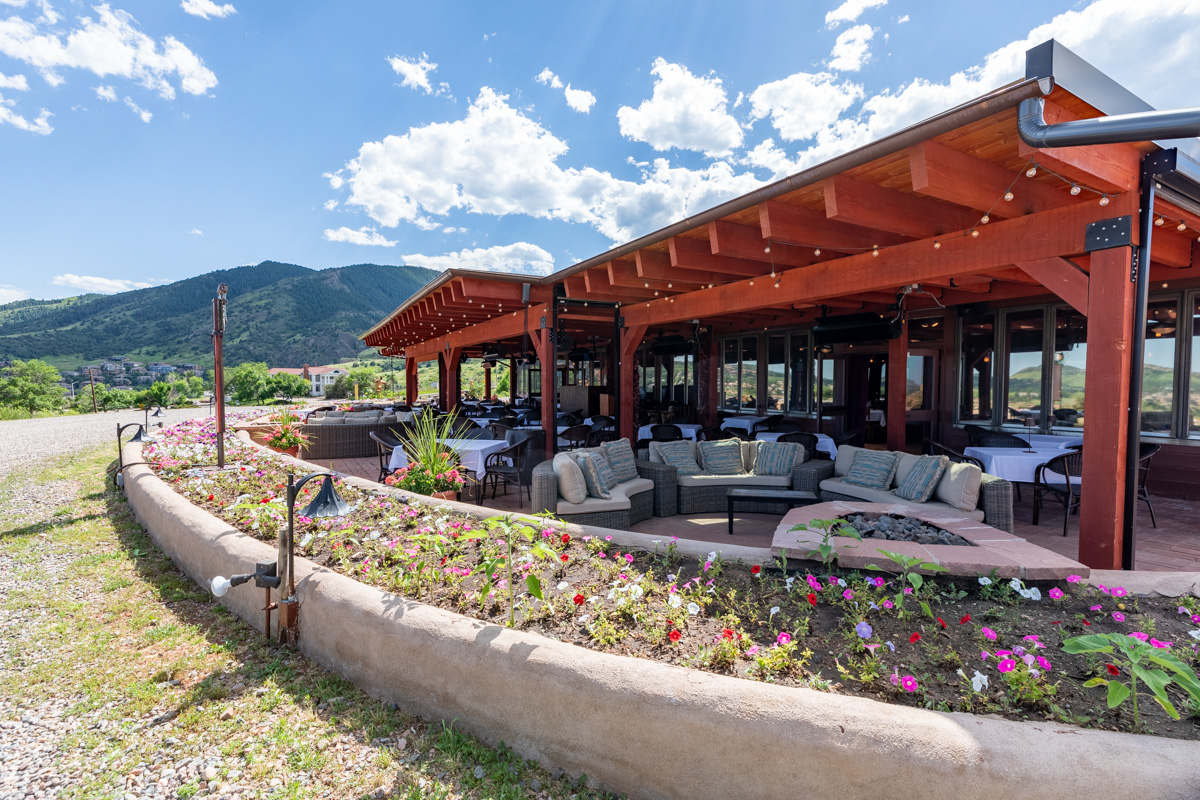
{"x": 195, "y": 369}
{"x": 161, "y": 369}
{"x": 117, "y": 358}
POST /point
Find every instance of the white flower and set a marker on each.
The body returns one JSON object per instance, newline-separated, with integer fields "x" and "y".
{"x": 675, "y": 602}
{"x": 841, "y": 583}
{"x": 612, "y": 593}
{"x": 712, "y": 556}
{"x": 979, "y": 682}
{"x": 636, "y": 591}
{"x": 594, "y": 598}
{"x": 374, "y": 534}
{"x": 1032, "y": 593}
{"x": 984, "y": 581}
{"x": 1016, "y": 585}
{"x": 584, "y": 618}
{"x": 307, "y": 538}
{"x": 563, "y": 585}
{"x": 1194, "y": 634}
{"x": 693, "y": 609}
{"x": 774, "y": 611}
{"x": 788, "y": 583}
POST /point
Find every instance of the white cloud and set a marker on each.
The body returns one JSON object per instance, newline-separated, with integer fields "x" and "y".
{"x": 17, "y": 82}
{"x": 579, "y": 99}
{"x": 414, "y": 72}
{"x": 365, "y": 236}
{"x": 207, "y": 8}
{"x": 40, "y": 125}
{"x": 850, "y": 50}
{"x": 800, "y": 105}
{"x": 685, "y": 111}
{"x": 110, "y": 44}
{"x": 106, "y": 93}
{"x": 850, "y": 11}
{"x": 336, "y": 181}
{"x": 11, "y": 294}
{"x": 902, "y": 20}
{"x": 521, "y": 257}
{"x": 548, "y": 78}
{"x": 196, "y": 232}
{"x": 141, "y": 112}
{"x": 95, "y": 285}
{"x": 330, "y": 205}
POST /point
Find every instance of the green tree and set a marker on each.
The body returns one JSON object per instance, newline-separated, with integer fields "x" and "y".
{"x": 250, "y": 382}
{"x": 195, "y": 386}
{"x": 289, "y": 385}
{"x": 31, "y": 385}
{"x": 340, "y": 389}
{"x": 158, "y": 393}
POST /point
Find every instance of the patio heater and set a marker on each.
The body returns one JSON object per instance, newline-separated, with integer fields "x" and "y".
{"x": 281, "y": 574}
{"x": 218, "y": 337}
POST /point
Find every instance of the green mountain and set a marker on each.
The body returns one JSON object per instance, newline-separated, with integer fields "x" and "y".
{"x": 283, "y": 314}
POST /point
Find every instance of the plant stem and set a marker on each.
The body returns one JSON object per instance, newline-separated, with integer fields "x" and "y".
{"x": 1137, "y": 720}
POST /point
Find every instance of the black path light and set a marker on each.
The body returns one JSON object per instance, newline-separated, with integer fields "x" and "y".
{"x": 281, "y": 574}
{"x": 140, "y": 437}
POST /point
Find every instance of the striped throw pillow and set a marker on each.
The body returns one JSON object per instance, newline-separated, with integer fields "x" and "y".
{"x": 620, "y": 458}
{"x": 872, "y": 468}
{"x": 589, "y": 463}
{"x": 922, "y": 479}
{"x": 679, "y": 455}
{"x": 775, "y": 458}
{"x": 723, "y": 457}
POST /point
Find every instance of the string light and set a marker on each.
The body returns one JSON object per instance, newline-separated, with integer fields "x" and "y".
{"x": 817, "y": 252}
{"x": 1159, "y": 222}
{"x": 1104, "y": 200}
{"x": 1008, "y": 196}
{"x": 937, "y": 245}
{"x": 985, "y": 219}
{"x": 875, "y": 251}
{"x": 974, "y": 233}
{"x": 1182, "y": 226}
{"x": 1075, "y": 189}
{"x": 1029, "y": 173}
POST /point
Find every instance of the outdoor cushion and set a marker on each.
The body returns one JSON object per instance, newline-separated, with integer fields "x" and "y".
{"x": 708, "y": 479}
{"x": 749, "y": 455}
{"x": 589, "y": 463}
{"x": 571, "y": 484}
{"x": 328, "y": 420}
{"x": 722, "y": 457}
{"x": 959, "y": 486}
{"x": 387, "y": 419}
{"x": 845, "y": 457}
{"x": 839, "y": 486}
{"x": 655, "y": 451}
{"x": 620, "y": 458}
{"x": 677, "y": 455}
{"x": 362, "y": 415}
{"x": 871, "y": 468}
{"x": 776, "y": 458}
{"x": 335, "y": 413}
{"x": 922, "y": 479}
{"x": 618, "y": 502}
{"x": 904, "y": 464}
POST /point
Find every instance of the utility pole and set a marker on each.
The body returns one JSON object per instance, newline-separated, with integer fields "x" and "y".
{"x": 92, "y": 381}
{"x": 218, "y": 336}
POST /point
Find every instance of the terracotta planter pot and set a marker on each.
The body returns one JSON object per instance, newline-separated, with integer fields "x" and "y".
{"x": 445, "y": 495}
{"x": 293, "y": 451}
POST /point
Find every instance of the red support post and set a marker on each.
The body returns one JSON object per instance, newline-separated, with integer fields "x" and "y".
{"x": 897, "y": 379}
{"x": 410, "y": 381}
{"x": 631, "y": 339}
{"x": 1105, "y": 407}
{"x": 450, "y": 359}
{"x": 487, "y": 381}
{"x": 541, "y": 340}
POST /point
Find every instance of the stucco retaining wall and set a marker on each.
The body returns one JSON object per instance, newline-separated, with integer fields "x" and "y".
{"x": 650, "y": 729}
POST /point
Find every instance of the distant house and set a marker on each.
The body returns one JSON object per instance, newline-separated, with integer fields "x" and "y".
{"x": 195, "y": 369}
{"x": 324, "y": 377}
{"x": 161, "y": 369}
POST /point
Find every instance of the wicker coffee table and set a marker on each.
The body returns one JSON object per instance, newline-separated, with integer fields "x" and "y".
{"x": 790, "y": 497}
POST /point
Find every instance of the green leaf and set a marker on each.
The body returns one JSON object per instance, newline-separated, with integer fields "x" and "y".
{"x": 1089, "y": 683}
{"x": 925, "y": 608}
{"x": 535, "y": 586}
{"x": 875, "y": 567}
{"x": 933, "y": 567}
{"x": 1117, "y": 692}
{"x": 1185, "y": 677}
{"x": 1092, "y": 643}
{"x": 1155, "y": 679}
{"x": 1167, "y": 707}
{"x": 916, "y": 580}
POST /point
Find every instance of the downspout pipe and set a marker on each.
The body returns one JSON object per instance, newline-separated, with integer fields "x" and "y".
{"x": 1144, "y": 126}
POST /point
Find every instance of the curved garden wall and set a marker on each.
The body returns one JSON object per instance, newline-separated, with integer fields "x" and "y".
{"x": 650, "y": 729}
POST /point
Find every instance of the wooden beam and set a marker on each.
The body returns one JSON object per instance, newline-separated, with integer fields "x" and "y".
{"x": 696, "y": 255}
{"x": 747, "y": 242}
{"x": 631, "y": 337}
{"x": 1061, "y": 277}
{"x": 781, "y": 222}
{"x": 1170, "y": 247}
{"x": 1051, "y": 233}
{"x": 862, "y": 203}
{"x": 940, "y": 171}
{"x": 506, "y": 326}
{"x": 1108, "y": 168}
{"x": 626, "y": 273}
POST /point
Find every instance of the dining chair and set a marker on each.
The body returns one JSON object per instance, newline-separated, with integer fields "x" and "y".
{"x": 939, "y": 449}
{"x": 384, "y": 445}
{"x": 507, "y": 466}
{"x": 808, "y": 441}
{"x": 1146, "y": 451}
{"x": 576, "y": 436}
{"x": 1053, "y": 479}
{"x": 665, "y": 433}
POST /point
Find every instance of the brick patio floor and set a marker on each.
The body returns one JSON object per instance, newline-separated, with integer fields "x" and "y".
{"x": 1173, "y": 546}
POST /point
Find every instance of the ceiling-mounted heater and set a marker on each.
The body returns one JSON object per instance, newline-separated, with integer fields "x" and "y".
{"x": 673, "y": 345}
{"x": 855, "y": 328}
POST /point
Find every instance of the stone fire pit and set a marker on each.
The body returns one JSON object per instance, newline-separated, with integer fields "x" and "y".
{"x": 990, "y": 549}
{"x": 896, "y": 528}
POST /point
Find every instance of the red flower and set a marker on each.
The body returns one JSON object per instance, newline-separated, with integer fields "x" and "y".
{"x": 941, "y": 622}
{"x": 1112, "y": 670}
{"x": 580, "y": 599}
{"x": 564, "y": 558}
{"x": 265, "y": 500}
{"x": 755, "y": 569}
{"x": 674, "y": 636}
{"x": 1085, "y": 622}
{"x": 210, "y": 497}
{"x": 727, "y": 634}
{"x": 916, "y": 637}
{"x": 566, "y": 538}
{"x": 965, "y": 619}
{"x": 812, "y": 599}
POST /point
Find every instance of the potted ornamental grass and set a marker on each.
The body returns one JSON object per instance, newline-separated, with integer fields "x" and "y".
{"x": 432, "y": 468}
{"x": 286, "y": 436}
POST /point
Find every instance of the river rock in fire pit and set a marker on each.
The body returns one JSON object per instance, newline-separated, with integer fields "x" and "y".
{"x": 904, "y": 529}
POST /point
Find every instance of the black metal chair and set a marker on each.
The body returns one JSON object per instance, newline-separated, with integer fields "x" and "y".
{"x": 507, "y": 466}
{"x": 714, "y": 434}
{"x": 576, "y": 436}
{"x": 1054, "y": 478}
{"x": 665, "y": 433}
{"x": 939, "y": 449}
{"x": 500, "y": 427}
{"x": 980, "y": 436}
{"x": 1146, "y": 451}
{"x": 384, "y": 445}
{"x": 808, "y": 441}
{"x": 847, "y": 437}
{"x": 771, "y": 423}
{"x": 604, "y": 429}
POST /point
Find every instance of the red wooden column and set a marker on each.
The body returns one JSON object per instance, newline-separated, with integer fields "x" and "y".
{"x": 487, "y": 381}
{"x": 541, "y": 342}
{"x": 410, "y": 380}
{"x": 1105, "y": 408}
{"x": 897, "y": 382}
{"x": 631, "y": 339}
{"x": 512, "y": 380}
{"x": 449, "y": 385}
{"x": 708, "y": 395}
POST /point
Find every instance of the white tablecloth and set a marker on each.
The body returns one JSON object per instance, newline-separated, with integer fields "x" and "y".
{"x": 472, "y": 453}
{"x": 824, "y": 443}
{"x": 689, "y": 429}
{"x": 1048, "y": 442}
{"x": 743, "y": 421}
{"x": 877, "y": 415}
{"x": 1012, "y": 463}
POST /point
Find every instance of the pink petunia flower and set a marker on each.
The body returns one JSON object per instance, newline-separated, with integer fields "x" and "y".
{"x": 1073, "y": 579}
{"x": 848, "y": 594}
{"x": 1119, "y": 591}
{"x": 1118, "y": 616}
{"x": 1044, "y": 663}
{"x": 1056, "y": 593}
{"x": 784, "y": 637}
{"x": 988, "y": 634}
{"x": 908, "y": 683}
{"x": 984, "y": 655}
{"x": 1141, "y": 637}
{"x": 1007, "y": 665}
{"x": 1095, "y": 608}
{"x": 887, "y": 604}
{"x": 877, "y": 582}
{"x": 629, "y": 558}
{"x": 1160, "y": 645}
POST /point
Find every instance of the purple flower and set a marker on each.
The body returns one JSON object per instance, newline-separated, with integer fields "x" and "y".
{"x": 984, "y": 655}
{"x": 1095, "y": 608}
{"x": 1028, "y": 659}
{"x": 1007, "y": 665}
{"x": 863, "y": 630}
{"x": 1118, "y": 616}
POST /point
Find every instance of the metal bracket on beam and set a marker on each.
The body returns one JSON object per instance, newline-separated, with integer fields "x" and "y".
{"x": 543, "y": 322}
{"x": 621, "y": 321}
{"x": 1108, "y": 233}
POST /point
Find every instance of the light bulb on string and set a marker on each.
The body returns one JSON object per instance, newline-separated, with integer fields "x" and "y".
{"x": 937, "y": 245}
{"x": 1008, "y": 196}
{"x": 817, "y": 252}
{"x": 1103, "y": 199}
{"x": 985, "y": 219}
{"x": 1075, "y": 189}
{"x": 974, "y": 233}
{"x": 1158, "y": 222}
{"x": 1181, "y": 227}
{"x": 875, "y": 251}
{"x": 767, "y": 249}
{"x": 1029, "y": 173}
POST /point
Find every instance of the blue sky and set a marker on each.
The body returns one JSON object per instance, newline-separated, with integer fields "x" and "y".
{"x": 144, "y": 141}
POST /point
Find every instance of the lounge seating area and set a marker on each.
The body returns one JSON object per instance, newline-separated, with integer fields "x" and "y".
{"x": 346, "y": 434}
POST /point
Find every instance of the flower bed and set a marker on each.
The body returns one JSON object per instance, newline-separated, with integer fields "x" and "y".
{"x": 978, "y": 645}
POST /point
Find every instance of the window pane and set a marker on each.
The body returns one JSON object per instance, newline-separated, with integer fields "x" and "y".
{"x": 1070, "y": 366}
{"x": 1024, "y": 367}
{"x": 750, "y": 372}
{"x": 1194, "y": 377}
{"x": 729, "y": 375}
{"x": 826, "y": 378}
{"x": 925, "y": 331}
{"x": 799, "y": 377}
{"x": 1158, "y": 372}
{"x": 776, "y": 369}
{"x": 679, "y": 393}
{"x": 976, "y": 370}
{"x": 918, "y": 381}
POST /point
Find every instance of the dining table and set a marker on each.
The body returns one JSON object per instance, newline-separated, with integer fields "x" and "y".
{"x": 471, "y": 453}
{"x": 1051, "y": 442}
{"x": 744, "y": 422}
{"x": 824, "y": 443}
{"x": 1014, "y": 464}
{"x": 690, "y": 430}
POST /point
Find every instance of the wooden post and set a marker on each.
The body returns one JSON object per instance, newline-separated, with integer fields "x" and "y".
{"x": 708, "y": 373}
{"x": 631, "y": 339}
{"x": 487, "y": 381}
{"x": 897, "y": 381}
{"x": 450, "y": 386}
{"x": 542, "y": 343}
{"x": 1105, "y": 408}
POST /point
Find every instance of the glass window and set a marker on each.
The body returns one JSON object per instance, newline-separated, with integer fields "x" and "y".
{"x": 918, "y": 383}
{"x": 1023, "y": 371}
{"x": 1158, "y": 371}
{"x": 976, "y": 368}
{"x": 800, "y": 376}
{"x": 679, "y": 380}
{"x": 1194, "y": 372}
{"x": 749, "y": 373}
{"x": 925, "y": 332}
{"x": 776, "y": 372}
{"x": 729, "y": 375}
{"x": 825, "y": 381}
{"x": 1069, "y": 368}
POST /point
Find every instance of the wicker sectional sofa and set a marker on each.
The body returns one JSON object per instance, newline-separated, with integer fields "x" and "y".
{"x": 994, "y": 505}
{"x": 652, "y": 493}
{"x": 338, "y": 434}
